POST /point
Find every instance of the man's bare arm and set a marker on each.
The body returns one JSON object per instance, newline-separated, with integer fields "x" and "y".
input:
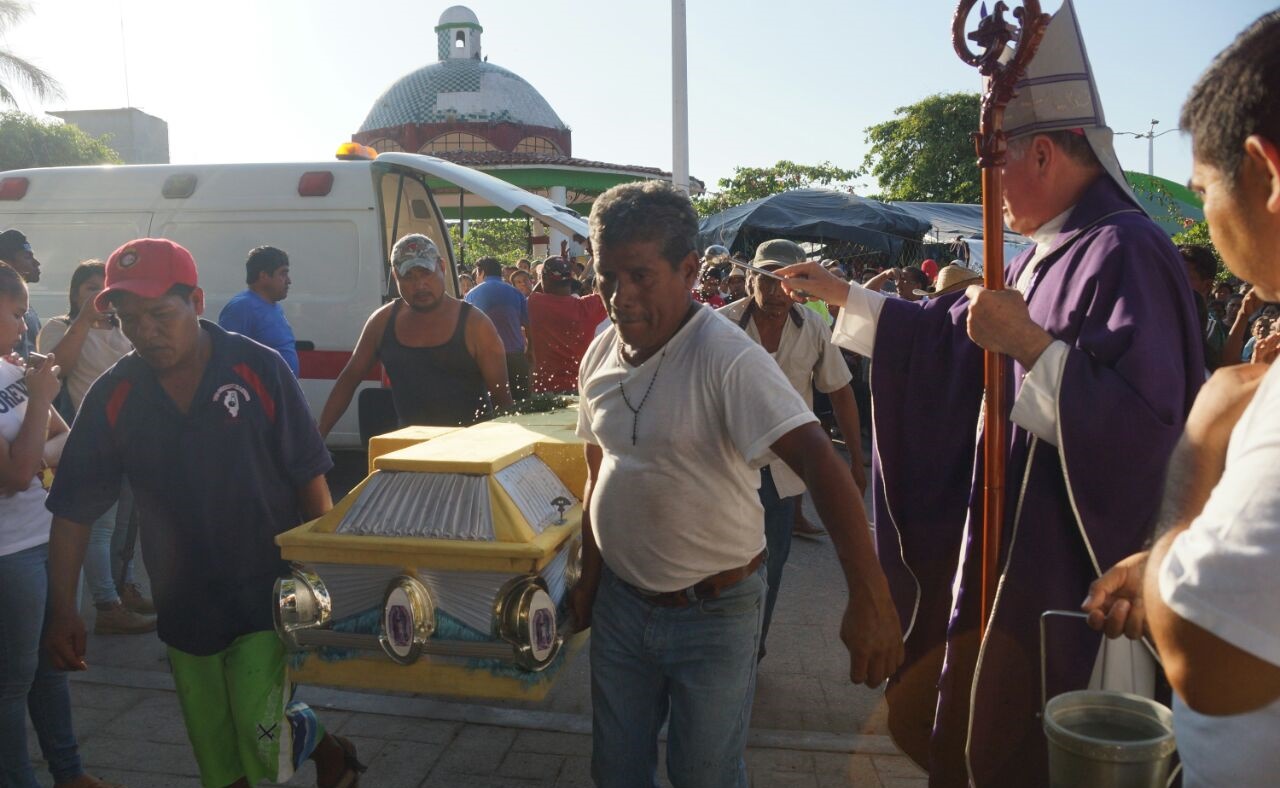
{"x": 314, "y": 498}
{"x": 848, "y": 419}
{"x": 64, "y": 635}
{"x": 1206, "y": 671}
{"x": 361, "y": 361}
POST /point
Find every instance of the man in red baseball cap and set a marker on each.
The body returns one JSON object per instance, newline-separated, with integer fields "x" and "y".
{"x": 215, "y": 437}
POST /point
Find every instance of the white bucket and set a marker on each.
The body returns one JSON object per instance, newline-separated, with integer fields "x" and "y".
{"x": 1104, "y": 739}
{"x": 1107, "y": 739}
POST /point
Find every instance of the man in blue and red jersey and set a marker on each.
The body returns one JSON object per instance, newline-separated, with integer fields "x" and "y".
{"x": 213, "y": 433}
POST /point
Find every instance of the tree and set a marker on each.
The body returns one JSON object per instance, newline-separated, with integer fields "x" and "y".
{"x": 1197, "y": 233}
{"x": 926, "y": 152}
{"x": 14, "y": 69}
{"x": 752, "y": 183}
{"x": 27, "y": 141}
{"x": 505, "y": 239}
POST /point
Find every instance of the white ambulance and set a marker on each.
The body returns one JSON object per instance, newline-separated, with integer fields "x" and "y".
{"x": 337, "y": 221}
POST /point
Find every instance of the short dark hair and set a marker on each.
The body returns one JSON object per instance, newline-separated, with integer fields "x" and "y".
{"x": 83, "y": 273}
{"x": 263, "y": 260}
{"x": 1076, "y": 146}
{"x": 11, "y": 242}
{"x": 917, "y": 273}
{"x": 11, "y": 282}
{"x": 1237, "y": 97}
{"x": 1201, "y": 260}
{"x": 181, "y": 291}
{"x": 642, "y": 212}
{"x": 489, "y": 266}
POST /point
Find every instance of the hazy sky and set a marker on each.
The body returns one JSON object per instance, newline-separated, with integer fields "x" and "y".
{"x": 269, "y": 80}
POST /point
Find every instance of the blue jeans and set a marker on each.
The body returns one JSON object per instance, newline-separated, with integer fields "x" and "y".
{"x": 698, "y": 663}
{"x": 28, "y": 682}
{"x": 779, "y": 517}
{"x": 106, "y": 567}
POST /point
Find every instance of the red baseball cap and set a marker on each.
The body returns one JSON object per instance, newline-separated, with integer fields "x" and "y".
{"x": 147, "y": 267}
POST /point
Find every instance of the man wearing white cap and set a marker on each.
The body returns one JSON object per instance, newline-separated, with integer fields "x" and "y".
{"x": 1102, "y": 336}
{"x": 445, "y": 359}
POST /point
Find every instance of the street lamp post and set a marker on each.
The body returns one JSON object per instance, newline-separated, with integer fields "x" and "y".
{"x": 1150, "y": 137}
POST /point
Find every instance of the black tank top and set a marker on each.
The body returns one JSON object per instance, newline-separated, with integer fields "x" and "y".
{"x": 438, "y": 386}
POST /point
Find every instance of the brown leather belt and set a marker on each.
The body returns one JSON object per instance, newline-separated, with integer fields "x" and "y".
{"x": 709, "y": 588}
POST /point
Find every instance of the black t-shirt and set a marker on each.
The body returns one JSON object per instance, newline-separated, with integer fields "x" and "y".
{"x": 213, "y": 486}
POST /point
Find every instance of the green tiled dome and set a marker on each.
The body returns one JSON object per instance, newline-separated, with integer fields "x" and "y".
{"x": 461, "y": 90}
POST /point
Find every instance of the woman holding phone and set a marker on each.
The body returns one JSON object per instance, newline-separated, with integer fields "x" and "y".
{"x": 87, "y": 343}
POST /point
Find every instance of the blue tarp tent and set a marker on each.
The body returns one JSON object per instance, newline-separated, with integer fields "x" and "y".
{"x": 948, "y": 220}
{"x": 820, "y": 216}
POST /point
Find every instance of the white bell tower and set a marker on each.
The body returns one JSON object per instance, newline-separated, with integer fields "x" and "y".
{"x": 458, "y": 34}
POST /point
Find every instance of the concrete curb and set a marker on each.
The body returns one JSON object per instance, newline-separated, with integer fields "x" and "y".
{"x": 476, "y": 714}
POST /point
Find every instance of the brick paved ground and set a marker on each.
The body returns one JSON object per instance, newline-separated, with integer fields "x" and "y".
{"x": 136, "y": 736}
{"x": 810, "y": 727}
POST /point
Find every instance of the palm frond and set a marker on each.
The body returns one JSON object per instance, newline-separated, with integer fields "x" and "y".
{"x": 40, "y": 82}
{"x": 11, "y": 12}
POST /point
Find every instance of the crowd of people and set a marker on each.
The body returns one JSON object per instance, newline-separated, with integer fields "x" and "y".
{"x": 1137, "y": 481}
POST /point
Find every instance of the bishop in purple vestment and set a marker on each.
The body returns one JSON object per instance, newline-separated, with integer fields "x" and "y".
{"x": 1105, "y": 360}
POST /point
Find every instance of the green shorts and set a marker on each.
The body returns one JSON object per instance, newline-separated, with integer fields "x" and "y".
{"x": 240, "y": 721}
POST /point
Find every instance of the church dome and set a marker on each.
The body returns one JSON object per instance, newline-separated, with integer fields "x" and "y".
{"x": 461, "y": 90}
{"x": 461, "y": 87}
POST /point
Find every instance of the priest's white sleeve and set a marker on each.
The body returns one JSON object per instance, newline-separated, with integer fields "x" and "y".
{"x": 1036, "y": 408}
{"x": 855, "y": 329}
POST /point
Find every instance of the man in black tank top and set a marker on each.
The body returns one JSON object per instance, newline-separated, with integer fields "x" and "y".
{"x": 445, "y": 359}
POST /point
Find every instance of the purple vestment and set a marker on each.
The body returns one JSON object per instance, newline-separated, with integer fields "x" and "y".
{"x": 1114, "y": 290}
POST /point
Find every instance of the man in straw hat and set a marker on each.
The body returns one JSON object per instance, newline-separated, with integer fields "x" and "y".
{"x": 950, "y": 279}
{"x": 1104, "y": 343}
{"x": 1206, "y": 591}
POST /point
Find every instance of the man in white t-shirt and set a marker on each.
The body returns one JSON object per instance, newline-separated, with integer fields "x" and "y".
{"x": 676, "y": 400}
{"x": 1207, "y": 589}
{"x": 800, "y": 342}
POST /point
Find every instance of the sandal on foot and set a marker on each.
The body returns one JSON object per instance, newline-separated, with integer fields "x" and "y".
{"x": 352, "y": 767}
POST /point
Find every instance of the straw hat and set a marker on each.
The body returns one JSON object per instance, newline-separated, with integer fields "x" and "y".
{"x": 951, "y": 278}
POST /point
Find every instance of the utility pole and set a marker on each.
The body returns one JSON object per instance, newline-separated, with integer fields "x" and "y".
{"x": 679, "y": 98}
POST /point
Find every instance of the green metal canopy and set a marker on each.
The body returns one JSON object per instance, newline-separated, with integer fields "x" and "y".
{"x": 1172, "y": 205}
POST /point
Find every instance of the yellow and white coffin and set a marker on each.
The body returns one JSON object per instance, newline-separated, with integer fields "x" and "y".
{"x": 446, "y": 571}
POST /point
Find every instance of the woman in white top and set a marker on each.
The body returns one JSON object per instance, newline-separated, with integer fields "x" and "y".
{"x": 87, "y": 343}
{"x": 31, "y": 438}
